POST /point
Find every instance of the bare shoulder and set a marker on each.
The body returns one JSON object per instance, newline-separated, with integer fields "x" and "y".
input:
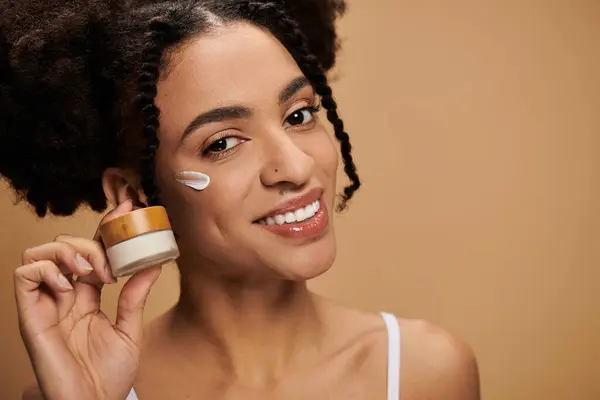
{"x": 436, "y": 363}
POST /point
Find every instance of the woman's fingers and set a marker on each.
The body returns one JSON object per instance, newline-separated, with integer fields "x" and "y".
{"x": 92, "y": 251}
{"x": 132, "y": 300}
{"x": 62, "y": 254}
{"x": 93, "y": 254}
{"x": 29, "y": 278}
{"x": 121, "y": 209}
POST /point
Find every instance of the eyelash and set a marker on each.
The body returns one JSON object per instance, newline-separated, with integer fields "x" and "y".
{"x": 222, "y": 136}
{"x": 313, "y": 109}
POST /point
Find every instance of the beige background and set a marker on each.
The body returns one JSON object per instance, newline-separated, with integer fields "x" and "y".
{"x": 477, "y": 131}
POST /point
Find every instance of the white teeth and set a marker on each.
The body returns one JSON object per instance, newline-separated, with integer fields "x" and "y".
{"x": 308, "y": 212}
{"x": 299, "y": 215}
{"x": 290, "y": 217}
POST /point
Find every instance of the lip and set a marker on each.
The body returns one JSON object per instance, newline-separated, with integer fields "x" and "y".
{"x": 294, "y": 204}
{"x": 311, "y": 229}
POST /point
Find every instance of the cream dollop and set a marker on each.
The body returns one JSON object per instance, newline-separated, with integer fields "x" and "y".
{"x": 195, "y": 180}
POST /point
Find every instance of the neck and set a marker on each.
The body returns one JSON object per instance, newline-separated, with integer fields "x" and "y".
{"x": 253, "y": 330}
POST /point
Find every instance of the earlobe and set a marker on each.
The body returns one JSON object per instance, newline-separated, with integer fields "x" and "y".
{"x": 120, "y": 185}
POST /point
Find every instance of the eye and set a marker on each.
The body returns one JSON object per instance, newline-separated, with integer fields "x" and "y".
{"x": 223, "y": 144}
{"x": 301, "y": 117}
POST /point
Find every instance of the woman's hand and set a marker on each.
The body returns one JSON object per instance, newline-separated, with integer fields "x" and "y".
{"x": 75, "y": 350}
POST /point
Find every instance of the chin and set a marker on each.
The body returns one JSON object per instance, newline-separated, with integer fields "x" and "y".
{"x": 308, "y": 263}
{"x": 304, "y": 272}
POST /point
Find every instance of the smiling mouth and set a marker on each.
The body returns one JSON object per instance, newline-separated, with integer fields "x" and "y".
{"x": 301, "y": 214}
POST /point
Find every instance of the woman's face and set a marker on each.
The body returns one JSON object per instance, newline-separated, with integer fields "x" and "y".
{"x": 235, "y": 106}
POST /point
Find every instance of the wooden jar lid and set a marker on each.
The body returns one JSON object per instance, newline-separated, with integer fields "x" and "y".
{"x": 132, "y": 224}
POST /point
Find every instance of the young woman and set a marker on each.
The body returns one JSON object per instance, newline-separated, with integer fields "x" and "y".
{"x": 112, "y": 101}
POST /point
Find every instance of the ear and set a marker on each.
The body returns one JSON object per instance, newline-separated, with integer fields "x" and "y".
{"x": 122, "y": 184}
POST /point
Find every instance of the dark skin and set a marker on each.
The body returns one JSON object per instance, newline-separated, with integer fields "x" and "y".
{"x": 246, "y": 326}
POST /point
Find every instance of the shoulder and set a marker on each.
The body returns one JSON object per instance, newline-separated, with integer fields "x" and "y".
{"x": 436, "y": 363}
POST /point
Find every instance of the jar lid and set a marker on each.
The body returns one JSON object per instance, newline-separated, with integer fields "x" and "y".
{"x": 134, "y": 223}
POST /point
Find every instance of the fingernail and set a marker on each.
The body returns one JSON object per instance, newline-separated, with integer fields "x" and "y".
{"x": 64, "y": 282}
{"x": 110, "y": 278}
{"x": 83, "y": 263}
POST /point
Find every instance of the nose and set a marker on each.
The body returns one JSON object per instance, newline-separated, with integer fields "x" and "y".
{"x": 286, "y": 163}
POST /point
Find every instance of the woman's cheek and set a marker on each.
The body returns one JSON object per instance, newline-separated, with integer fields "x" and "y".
{"x": 323, "y": 149}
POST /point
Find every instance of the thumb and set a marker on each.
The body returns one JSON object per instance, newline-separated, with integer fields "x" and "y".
{"x": 94, "y": 279}
{"x": 132, "y": 300}
{"x": 121, "y": 209}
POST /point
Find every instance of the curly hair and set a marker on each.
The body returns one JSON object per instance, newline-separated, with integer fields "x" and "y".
{"x": 78, "y": 81}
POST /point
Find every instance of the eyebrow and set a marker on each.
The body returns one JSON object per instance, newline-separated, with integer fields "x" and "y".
{"x": 239, "y": 112}
{"x": 216, "y": 115}
{"x": 292, "y": 88}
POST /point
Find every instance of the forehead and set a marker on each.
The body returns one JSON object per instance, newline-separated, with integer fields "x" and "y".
{"x": 237, "y": 63}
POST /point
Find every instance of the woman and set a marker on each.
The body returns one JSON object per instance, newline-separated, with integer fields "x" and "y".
{"x": 110, "y": 101}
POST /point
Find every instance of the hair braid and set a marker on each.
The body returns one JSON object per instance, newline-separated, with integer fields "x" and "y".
{"x": 147, "y": 84}
{"x": 163, "y": 32}
{"x": 297, "y": 43}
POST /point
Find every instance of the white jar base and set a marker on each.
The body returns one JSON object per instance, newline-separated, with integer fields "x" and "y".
{"x": 141, "y": 252}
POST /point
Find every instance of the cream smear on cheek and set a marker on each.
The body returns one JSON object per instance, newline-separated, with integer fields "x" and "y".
{"x": 195, "y": 180}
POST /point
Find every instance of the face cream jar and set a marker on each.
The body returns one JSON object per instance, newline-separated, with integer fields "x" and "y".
{"x": 139, "y": 239}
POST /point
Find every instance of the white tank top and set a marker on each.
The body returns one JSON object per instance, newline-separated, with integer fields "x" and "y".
{"x": 393, "y": 361}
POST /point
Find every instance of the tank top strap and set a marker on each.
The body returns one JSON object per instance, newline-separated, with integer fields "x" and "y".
{"x": 132, "y": 395}
{"x": 393, "y": 362}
